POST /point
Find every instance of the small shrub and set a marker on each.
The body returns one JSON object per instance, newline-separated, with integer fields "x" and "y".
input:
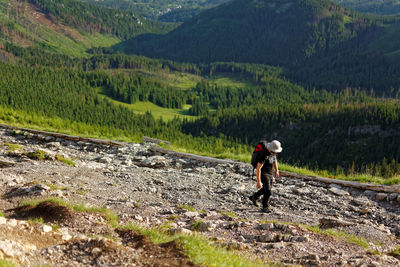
{"x": 1, "y": 214}
{"x": 36, "y": 155}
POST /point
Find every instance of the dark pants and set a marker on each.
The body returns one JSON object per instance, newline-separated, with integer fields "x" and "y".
{"x": 267, "y": 181}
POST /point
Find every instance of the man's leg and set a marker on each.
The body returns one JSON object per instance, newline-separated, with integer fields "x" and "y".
{"x": 267, "y": 186}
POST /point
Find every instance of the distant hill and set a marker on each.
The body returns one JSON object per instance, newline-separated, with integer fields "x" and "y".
{"x": 373, "y": 6}
{"x": 320, "y": 43}
{"x": 163, "y": 10}
{"x": 69, "y": 26}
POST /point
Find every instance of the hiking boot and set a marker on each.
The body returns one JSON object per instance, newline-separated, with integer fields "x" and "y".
{"x": 253, "y": 200}
{"x": 266, "y": 210}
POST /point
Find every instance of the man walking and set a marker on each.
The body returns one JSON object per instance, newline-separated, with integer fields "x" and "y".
{"x": 265, "y": 170}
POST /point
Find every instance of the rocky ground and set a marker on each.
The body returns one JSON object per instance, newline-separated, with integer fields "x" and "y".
{"x": 183, "y": 195}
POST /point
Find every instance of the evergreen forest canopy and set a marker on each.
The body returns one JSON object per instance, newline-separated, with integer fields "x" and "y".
{"x": 342, "y": 129}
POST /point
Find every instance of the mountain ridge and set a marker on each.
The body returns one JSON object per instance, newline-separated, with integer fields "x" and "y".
{"x": 322, "y": 37}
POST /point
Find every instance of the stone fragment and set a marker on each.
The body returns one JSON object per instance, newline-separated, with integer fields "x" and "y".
{"x": 277, "y": 245}
{"x": 266, "y": 226}
{"x": 191, "y": 214}
{"x": 381, "y": 196}
{"x": 3, "y": 220}
{"x": 266, "y": 238}
{"x": 338, "y": 192}
{"x": 366, "y": 211}
{"x": 47, "y": 228}
{"x": 333, "y": 223}
{"x": 36, "y": 190}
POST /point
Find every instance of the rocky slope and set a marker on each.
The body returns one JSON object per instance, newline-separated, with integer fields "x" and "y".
{"x": 151, "y": 189}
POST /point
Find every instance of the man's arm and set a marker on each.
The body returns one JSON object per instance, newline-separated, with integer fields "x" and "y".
{"x": 258, "y": 174}
{"x": 276, "y": 168}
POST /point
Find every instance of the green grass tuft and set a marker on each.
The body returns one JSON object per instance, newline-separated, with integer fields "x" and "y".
{"x": 65, "y": 160}
{"x": 36, "y": 155}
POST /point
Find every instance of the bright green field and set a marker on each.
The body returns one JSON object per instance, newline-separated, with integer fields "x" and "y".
{"x": 233, "y": 81}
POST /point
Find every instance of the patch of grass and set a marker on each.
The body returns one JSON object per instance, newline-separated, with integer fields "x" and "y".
{"x": 229, "y": 214}
{"x": 53, "y": 187}
{"x": 188, "y": 208}
{"x": 173, "y": 217}
{"x": 362, "y": 178}
{"x": 1, "y": 214}
{"x": 36, "y": 155}
{"x": 5, "y": 263}
{"x": 196, "y": 225}
{"x": 65, "y": 160}
{"x": 13, "y": 147}
{"x": 107, "y": 214}
{"x": 199, "y": 249}
{"x": 39, "y": 220}
{"x": 55, "y": 227}
{"x": 340, "y": 234}
{"x": 395, "y": 252}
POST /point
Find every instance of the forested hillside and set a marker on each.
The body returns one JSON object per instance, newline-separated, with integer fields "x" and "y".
{"x": 163, "y": 10}
{"x": 372, "y": 6}
{"x": 69, "y": 27}
{"x": 324, "y": 45}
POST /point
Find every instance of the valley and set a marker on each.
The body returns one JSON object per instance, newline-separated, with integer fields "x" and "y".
{"x": 210, "y": 78}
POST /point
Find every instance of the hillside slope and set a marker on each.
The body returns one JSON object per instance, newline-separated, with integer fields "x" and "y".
{"x": 321, "y": 43}
{"x": 68, "y": 26}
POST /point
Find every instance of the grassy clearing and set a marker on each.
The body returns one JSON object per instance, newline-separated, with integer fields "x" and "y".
{"x": 199, "y": 249}
{"x": 108, "y": 215}
{"x": 233, "y": 81}
{"x": 178, "y": 80}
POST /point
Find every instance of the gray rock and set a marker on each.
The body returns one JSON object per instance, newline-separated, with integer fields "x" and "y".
{"x": 277, "y": 245}
{"x": 38, "y": 189}
{"x": 338, "y": 192}
{"x": 381, "y": 196}
{"x": 266, "y": 238}
{"x": 155, "y": 162}
{"x": 333, "y": 223}
{"x": 266, "y": 226}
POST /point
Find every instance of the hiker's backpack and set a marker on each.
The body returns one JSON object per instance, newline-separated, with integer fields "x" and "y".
{"x": 259, "y": 153}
